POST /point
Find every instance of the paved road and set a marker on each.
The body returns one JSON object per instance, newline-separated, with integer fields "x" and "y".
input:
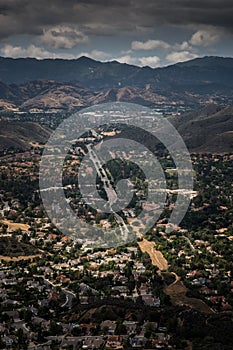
{"x": 69, "y": 298}
{"x": 190, "y": 243}
{"x": 110, "y": 191}
{"x": 69, "y": 295}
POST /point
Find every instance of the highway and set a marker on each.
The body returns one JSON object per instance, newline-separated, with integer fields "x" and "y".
{"x": 110, "y": 191}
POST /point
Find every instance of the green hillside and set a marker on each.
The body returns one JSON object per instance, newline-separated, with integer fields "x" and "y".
{"x": 207, "y": 130}
{"x": 21, "y": 135}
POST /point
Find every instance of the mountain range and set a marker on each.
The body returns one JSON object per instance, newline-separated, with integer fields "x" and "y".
{"x": 67, "y": 85}
{"x": 203, "y": 85}
{"x": 97, "y": 75}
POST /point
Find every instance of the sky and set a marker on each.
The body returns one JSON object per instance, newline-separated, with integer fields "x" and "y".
{"x": 141, "y": 32}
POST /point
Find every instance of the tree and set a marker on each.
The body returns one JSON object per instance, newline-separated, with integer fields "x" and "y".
{"x": 120, "y": 327}
{"x": 55, "y": 328}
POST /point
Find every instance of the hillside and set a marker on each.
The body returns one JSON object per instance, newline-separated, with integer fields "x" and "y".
{"x": 44, "y": 95}
{"x": 91, "y": 74}
{"x": 31, "y": 85}
{"x": 67, "y": 85}
{"x": 21, "y": 135}
{"x": 207, "y": 130}
{"x": 83, "y": 71}
{"x": 11, "y": 247}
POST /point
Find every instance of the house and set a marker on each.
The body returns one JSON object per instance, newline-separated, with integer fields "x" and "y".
{"x": 139, "y": 268}
{"x": 53, "y": 296}
{"x": 150, "y": 300}
{"x": 162, "y": 337}
{"x": 2, "y": 328}
{"x": 58, "y": 246}
{"x": 208, "y": 291}
{"x": 64, "y": 280}
{"x": 120, "y": 289}
{"x": 217, "y": 299}
{"x": 8, "y": 302}
{"x": 10, "y": 340}
{"x": 123, "y": 279}
{"x": 132, "y": 249}
{"x": 130, "y": 326}
{"x": 9, "y": 281}
{"x": 193, "y": 273}
{"x": 114, "y": 342}
{"x": 93, "y": 342}
{"x": 139, "y": 341}
{"x": 83, "y": 299}
{"x": 108, "y": 325}
{"x": 66, "y": 327}
{"x": 199, "y": 281}
{"x": 86, "y": 328}
{"x": 46, "y": 346}
{"x": 70, "y": 343}
{"x": 13, "y": 314}
{"x": 33, "y": 309}
{"x": 33, "y": 284}
{"x": 143, "y": 289}
{"x": 51, "y": 236}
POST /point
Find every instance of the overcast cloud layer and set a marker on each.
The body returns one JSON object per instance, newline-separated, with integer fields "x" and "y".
{"x": 152, "y": 32}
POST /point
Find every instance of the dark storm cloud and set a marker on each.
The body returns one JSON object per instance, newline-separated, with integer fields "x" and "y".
{"x": 106, "y": 17}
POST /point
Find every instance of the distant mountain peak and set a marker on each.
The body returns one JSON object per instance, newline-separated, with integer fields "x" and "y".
{"x": 85, "y": 59}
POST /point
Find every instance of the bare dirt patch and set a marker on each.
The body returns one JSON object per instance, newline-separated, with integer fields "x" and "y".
{"x": 156, "y": 256}
{"x": 177, "y": 292}
{"x": 15, "y": 226}
{"x": 19, "y": 258}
